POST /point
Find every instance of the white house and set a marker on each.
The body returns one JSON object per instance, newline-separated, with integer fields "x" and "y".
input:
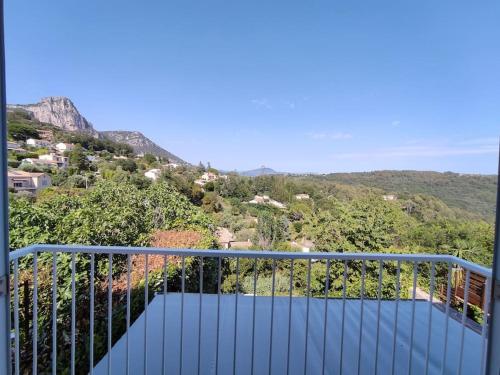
{"x": 206, "y": 177}
{"x": 300, "y": 197}
{"x": 37, "y": 142}
{"x": 171, "y": 165}
{"x": 62, "y": 161}
{"x": 40, "y": 162}
{"x": 153, "y": 174}
{"x": 265, "y": 199}
{"x": 28, "y": 181}
{"x": 389, "y": 197}
{"x": 61, "y": 147}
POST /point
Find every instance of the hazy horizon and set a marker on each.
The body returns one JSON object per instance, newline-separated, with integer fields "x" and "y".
{"x": 297, "y": 87}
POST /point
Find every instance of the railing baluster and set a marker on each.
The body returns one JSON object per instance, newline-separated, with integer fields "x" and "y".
{"x": 235, "y": 339}
{"x": 54, "y": 313}
{"x": 91, "y": 328}
{"x": 110, "y": 308}
{"x": 183, "y": 286}
{"x": 199, "y": 315}
{"x": 273, "y": 286}
{"x": 429, "y": 330}
{"x": 362, "y": 297}
{"x": 484, "y": 329}
{"x": 127, "y": 318}
{"x": 379, "y": 296}
{"x": 447, "y": 319}
{"x": 396, "y": 315}
{"x": 464, "y": 320}
{"x": 412, "y": 330}
{"x": 344, "y": 289}
{"x": 307, "y": 314}
{"x": 218, "y": 315}
{"x": 16, "y": 315}
{"x": 327, "y": 289}
{"x": 146, "y": 302}
{"x": 35, "y": 313}
{"x": 73, "y": 313}
{"x": 289, "y": 319}
{"x": 253, "y": 313}
{"x": 164, "y": 320}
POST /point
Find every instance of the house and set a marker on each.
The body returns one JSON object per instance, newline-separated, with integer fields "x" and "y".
{"x": 225, "y": 237}
{"x": 206, "y": 177}
{"x": 45, "y": 134}
{"x": 300, "y": 197}
{"x": 14, "y": 147}
{"x": 62, "y": 161}
{"x": 153, "y": 174}
{"x": 265, "y": 199}
{"x": 171, "y": 165}
{"x": 389, "y": 197}
{"x": 61, "y": 147}
{"x": 37, "y": 142}
{"x": 40, "y": 162}
{"x": 28, "y": 181}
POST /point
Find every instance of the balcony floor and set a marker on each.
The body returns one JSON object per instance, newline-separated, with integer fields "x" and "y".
{"x": 472, "y": 342}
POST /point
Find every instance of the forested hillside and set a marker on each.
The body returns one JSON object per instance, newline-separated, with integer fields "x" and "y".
{"x": 473, "y": 193}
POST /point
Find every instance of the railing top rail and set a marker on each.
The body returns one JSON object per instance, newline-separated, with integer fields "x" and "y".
{"x": 434, "y": 258}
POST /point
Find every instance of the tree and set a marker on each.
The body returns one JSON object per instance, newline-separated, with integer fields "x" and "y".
{"x": 149, "y": 158}
{"x": 211, "y": 203}
{"x": 271, "y": 229}
{"x": 78, "y": 159}
{"x": 127, "y": 165}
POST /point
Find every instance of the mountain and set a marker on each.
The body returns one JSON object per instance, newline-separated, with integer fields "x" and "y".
{"x": 141, "y": 144}
{"x": 58, "y": 111}
{"x": 62, "y": 113}
{"x": 262, "y": 171}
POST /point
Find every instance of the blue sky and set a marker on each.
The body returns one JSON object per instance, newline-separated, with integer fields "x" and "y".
{"x": 317, "y": 86}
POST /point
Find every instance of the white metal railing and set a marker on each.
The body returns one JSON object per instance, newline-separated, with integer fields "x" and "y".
{"x": 44, "y": 350}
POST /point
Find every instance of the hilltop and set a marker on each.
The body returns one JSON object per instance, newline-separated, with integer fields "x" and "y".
{"x": 262, "y": 171}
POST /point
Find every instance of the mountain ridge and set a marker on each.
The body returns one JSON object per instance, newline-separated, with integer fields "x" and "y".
{"x": 62, "y": 113}
{"x": 140, "y": 143}
{"x": 262, "y": 171}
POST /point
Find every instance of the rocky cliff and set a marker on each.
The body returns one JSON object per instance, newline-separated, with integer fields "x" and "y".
{"x": 58, "y": 111}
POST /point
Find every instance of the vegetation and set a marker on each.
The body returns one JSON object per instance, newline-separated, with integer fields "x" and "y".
{"x": 103, "y": 198}
{"x": 473, "y": 193}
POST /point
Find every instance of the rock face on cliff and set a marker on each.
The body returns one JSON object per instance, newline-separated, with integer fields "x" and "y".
{"x": 58, "y": 111}
{"x": 141, "y": 144}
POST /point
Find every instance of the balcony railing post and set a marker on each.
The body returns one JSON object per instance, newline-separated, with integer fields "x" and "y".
{"x": 5, "y": 354}
{"x": 493, "y": 359}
